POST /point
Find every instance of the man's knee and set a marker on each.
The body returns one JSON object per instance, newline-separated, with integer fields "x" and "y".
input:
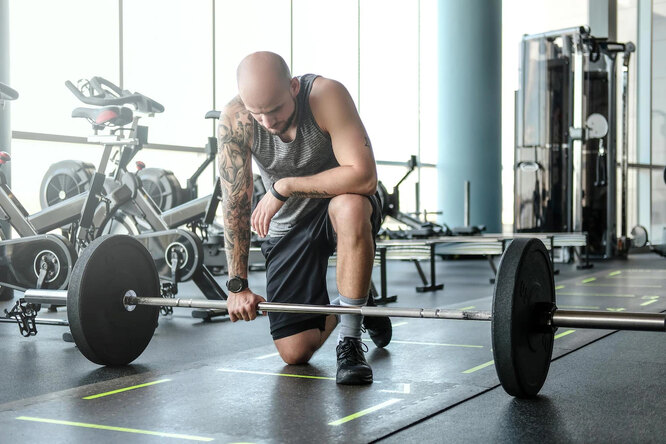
{"x": 299, "y": 348}
{"x": 350, "y": 212}
{"x": 296, "y": 356}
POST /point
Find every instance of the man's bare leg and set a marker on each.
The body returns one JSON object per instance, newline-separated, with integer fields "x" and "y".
{"x": 299, "y": 348}
{"x": 350, "y": 214}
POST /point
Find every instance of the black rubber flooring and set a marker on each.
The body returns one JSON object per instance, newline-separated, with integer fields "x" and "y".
{"x": 434, "y": 383}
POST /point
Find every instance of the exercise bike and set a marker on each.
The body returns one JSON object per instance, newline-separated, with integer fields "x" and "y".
{"x": 178, "y": 253}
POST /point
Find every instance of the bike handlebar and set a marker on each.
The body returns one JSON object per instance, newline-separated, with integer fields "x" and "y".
{"x": 101, "y": 92}
{"x": 7, "y": 93}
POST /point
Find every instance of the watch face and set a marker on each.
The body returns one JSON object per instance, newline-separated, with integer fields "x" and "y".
{"x": 235, "y": 285}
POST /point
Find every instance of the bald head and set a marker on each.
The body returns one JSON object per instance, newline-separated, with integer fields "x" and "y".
{"x": 267, "y": 90}
{"x": 261, "y": 70}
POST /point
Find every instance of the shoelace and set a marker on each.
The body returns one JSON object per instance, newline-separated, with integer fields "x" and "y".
{"x": 353, "y": 349}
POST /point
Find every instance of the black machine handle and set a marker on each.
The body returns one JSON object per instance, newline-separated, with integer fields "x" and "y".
{"x": 8, "y": 93}
{"x": 600, "y": 171}
{"x": 213, "y": 114}
{"x": 104, "y": 93}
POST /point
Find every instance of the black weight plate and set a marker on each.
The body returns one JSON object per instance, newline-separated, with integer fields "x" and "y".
{"x": 521, "y": 347}
{"x": 103, "y": 330}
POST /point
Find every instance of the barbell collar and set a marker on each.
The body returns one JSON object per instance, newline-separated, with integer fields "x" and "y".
{"x": 608, "y": 320}
{"x": 46, "y": 297}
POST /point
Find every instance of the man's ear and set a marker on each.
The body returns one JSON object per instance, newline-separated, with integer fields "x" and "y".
{"x": 294, "y": 86}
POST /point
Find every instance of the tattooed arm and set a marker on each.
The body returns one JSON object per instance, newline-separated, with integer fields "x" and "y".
{"x": 335, "y": 113}
{"x": 235, "y": 165}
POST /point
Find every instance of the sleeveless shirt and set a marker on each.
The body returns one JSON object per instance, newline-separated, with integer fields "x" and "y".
{"x": 310, "y": 152}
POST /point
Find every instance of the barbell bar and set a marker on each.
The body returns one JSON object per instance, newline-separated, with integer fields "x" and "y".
{"x": 558, "y": 318}
{"x": 113, "y": 315}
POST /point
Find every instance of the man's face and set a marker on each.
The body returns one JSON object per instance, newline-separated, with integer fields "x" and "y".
{"x": 274, "y": 110}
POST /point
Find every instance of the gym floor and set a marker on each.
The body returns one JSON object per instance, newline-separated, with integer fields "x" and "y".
{"x": 435, "y": 382}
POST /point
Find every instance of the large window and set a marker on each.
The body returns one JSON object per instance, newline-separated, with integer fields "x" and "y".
{"x": 51, "y": 42}
{"x": 244, "y": 27}
{"x": 167, "y": 55}
{"x": 184, "y": 55}
{"x": 658, "y": 213}
{"x": 521, "y": 17}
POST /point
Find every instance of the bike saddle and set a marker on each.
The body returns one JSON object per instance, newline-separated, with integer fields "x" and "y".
{"x": 107, "y": 115}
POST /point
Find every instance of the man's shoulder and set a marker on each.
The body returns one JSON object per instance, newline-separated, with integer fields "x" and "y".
{"x": 235, "y": 110}
{"x": 324, "y": 85}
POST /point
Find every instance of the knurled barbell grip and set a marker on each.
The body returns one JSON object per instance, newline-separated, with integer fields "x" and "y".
{"x": 433, "y": 313}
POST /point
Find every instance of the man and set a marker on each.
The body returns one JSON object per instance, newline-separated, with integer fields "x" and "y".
{"x": 316, "y": 161}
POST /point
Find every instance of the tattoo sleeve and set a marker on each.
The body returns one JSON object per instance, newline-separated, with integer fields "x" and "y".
{"x": 235, "y": 165}
{"x": 312, "y": 194}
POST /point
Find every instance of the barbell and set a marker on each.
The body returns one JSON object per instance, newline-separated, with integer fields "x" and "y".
{"x": 113, "y": 315}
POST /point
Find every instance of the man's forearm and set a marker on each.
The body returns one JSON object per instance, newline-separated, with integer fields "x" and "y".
{"x": 330, "y": 183}
{"x": 235, "y": 166}
{"x": 237, "y": 233}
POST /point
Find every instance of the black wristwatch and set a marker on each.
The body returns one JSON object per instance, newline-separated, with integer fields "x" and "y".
{"x": 236, "y": 284}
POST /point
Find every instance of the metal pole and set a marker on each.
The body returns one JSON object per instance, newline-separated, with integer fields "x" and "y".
{"x": 433, "y": 313}
{"x": 466, "y": 207}
{"x": 47, "y": 297}
{"x": 610, "y": 320}
{"x": 39, "y": 321}
{"x": 561, "y": 318}
{"x": 604, "y": 320}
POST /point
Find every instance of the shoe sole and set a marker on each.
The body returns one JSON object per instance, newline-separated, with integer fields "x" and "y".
{"x": 355, "y": 380}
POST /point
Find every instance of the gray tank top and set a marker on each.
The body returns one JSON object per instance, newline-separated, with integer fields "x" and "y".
{"x": 309, "y": 153}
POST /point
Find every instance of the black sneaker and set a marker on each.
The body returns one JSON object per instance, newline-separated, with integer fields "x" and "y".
{"x": 378, "y": 327}
{"x": 353, "y": 369}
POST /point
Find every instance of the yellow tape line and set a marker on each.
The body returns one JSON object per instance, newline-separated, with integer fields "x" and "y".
{"x": 489, "y": 363}
{"x": 615, "y": 273}
{"x": 479, "y": 367}
{"x": 585, "y": 281}
{"x": 364, "y": 412}
{"x": 115, "y": 429}
{"x": 564, "y": 333}
{"x": 113, "y": 392}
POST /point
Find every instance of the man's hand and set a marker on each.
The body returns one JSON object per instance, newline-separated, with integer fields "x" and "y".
{"x": 264, "y": 212}
{"x": 243, "y": 305}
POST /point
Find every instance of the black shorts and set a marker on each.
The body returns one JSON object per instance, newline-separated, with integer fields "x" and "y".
{"x": 296, "y": 266}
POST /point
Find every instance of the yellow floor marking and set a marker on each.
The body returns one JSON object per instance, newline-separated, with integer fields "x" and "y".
{"x": 364, "y": 412}
{"x": 289, "y": 375}
{"x": 489, "y": 363}
{"x": 115, "y": 429}
{"x": 479, "y": 367}
{"x": 564, "y": 333}
{"x": 270, "y": 355}
{"x": 467, "y": 308}
{"x": 585, "y": 281}
{"x": 615, "y": 273}
{"x": 559, "y": 287}
{"x": 569, "y": 293}
{"x": 113, "y": 392}
{"x": 649, "y": 302}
